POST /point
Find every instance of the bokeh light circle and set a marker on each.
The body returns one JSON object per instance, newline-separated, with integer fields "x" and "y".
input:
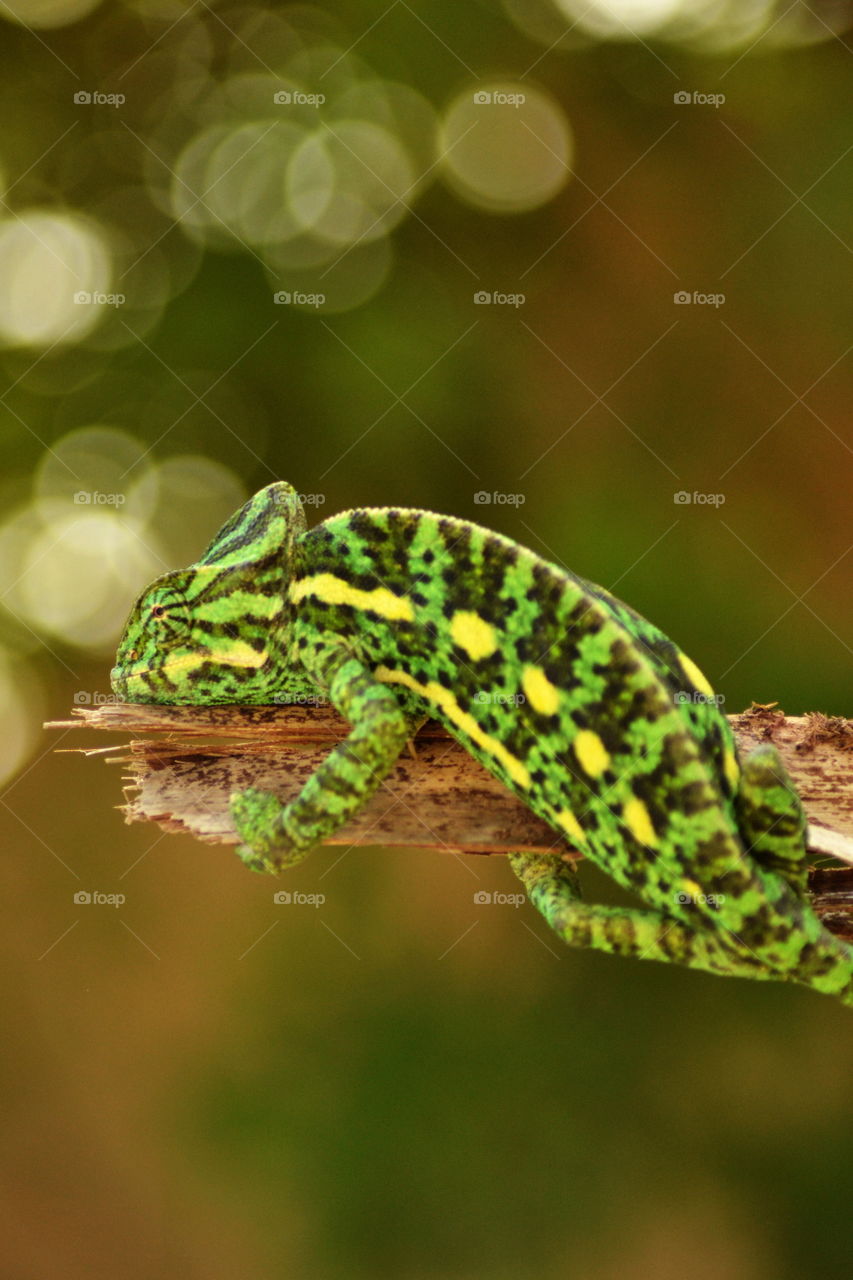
{"x": 43, "y": 14}
{"x": 105, "y": 518}
{"x": 94, "y": 466}
{"x": 353, "y": 276}
{"x": 190, "y": 497}
{"x": 75, "y": 574}
{"x": 625, "y": 19}
{"x": 55, "y": 275}
{"x": 245, "y": 181}
{"x": 506, "y": 147}
{"x": 68, "y": 575}
{"x": 21, "y": 714}
{"x": 349, "y": 182}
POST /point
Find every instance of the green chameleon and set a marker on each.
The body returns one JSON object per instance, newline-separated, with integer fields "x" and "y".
{"x": 591, "y": 716}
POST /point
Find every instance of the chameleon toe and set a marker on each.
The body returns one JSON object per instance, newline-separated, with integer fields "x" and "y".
{"x": 257, "y": 817}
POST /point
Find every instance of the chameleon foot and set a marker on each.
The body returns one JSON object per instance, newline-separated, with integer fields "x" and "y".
{"x": 259, "y": 818}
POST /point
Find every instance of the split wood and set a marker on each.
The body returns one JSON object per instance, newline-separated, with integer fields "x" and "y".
{"x": 437, "y": 796}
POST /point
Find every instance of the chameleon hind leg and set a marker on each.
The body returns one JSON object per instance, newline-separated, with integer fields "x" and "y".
{"x": 770, "y": 817}
{"x": 552, "y": 886}
{"x": 276, "y": 836}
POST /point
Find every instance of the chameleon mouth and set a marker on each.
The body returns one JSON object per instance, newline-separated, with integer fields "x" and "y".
{"x": 129, "y": 681}
{"x": 123, "y": 682}
{"x": 237, "y": 654}
{"x": 125, "y": 674}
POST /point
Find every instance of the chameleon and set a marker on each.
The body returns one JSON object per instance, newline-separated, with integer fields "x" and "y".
{"x": 580, "y": 706}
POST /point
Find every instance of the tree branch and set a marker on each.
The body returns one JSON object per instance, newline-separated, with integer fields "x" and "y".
{"x": 437, "y": 797}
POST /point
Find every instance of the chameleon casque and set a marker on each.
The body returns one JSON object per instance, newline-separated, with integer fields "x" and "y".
{"x": 580, "y": 706}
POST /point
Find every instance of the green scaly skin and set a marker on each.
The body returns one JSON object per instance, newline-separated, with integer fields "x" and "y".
{"x": 590, "y": 715}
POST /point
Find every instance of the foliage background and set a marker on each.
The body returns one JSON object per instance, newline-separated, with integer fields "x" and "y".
{"x": 404, "y": 1083}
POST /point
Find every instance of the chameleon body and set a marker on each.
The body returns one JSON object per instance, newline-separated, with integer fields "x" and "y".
{"x": 591, "y": 716}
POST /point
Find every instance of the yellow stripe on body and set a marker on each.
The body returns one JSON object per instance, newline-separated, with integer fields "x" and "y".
{"x": 330, "y": 589}
{"x": 694, "y": 676}
{"x": 444, "y": 699}
{"x": 569, "y": 823}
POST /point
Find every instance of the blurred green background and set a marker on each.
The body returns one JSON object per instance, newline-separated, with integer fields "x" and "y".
{"x": 426, "y": 255}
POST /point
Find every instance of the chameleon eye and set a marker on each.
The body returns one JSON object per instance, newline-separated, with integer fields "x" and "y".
{"x": 168, "y": 615}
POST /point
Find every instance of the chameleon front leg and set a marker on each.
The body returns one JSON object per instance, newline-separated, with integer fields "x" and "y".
{"x": 276, "y": 836}
{"x": 553, "y": 888}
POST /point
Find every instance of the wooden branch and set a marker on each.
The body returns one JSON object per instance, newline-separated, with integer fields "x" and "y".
{"x": 437, "y": 797}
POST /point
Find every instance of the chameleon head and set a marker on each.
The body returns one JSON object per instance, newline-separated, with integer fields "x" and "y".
{"x": 217, "y": 631}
